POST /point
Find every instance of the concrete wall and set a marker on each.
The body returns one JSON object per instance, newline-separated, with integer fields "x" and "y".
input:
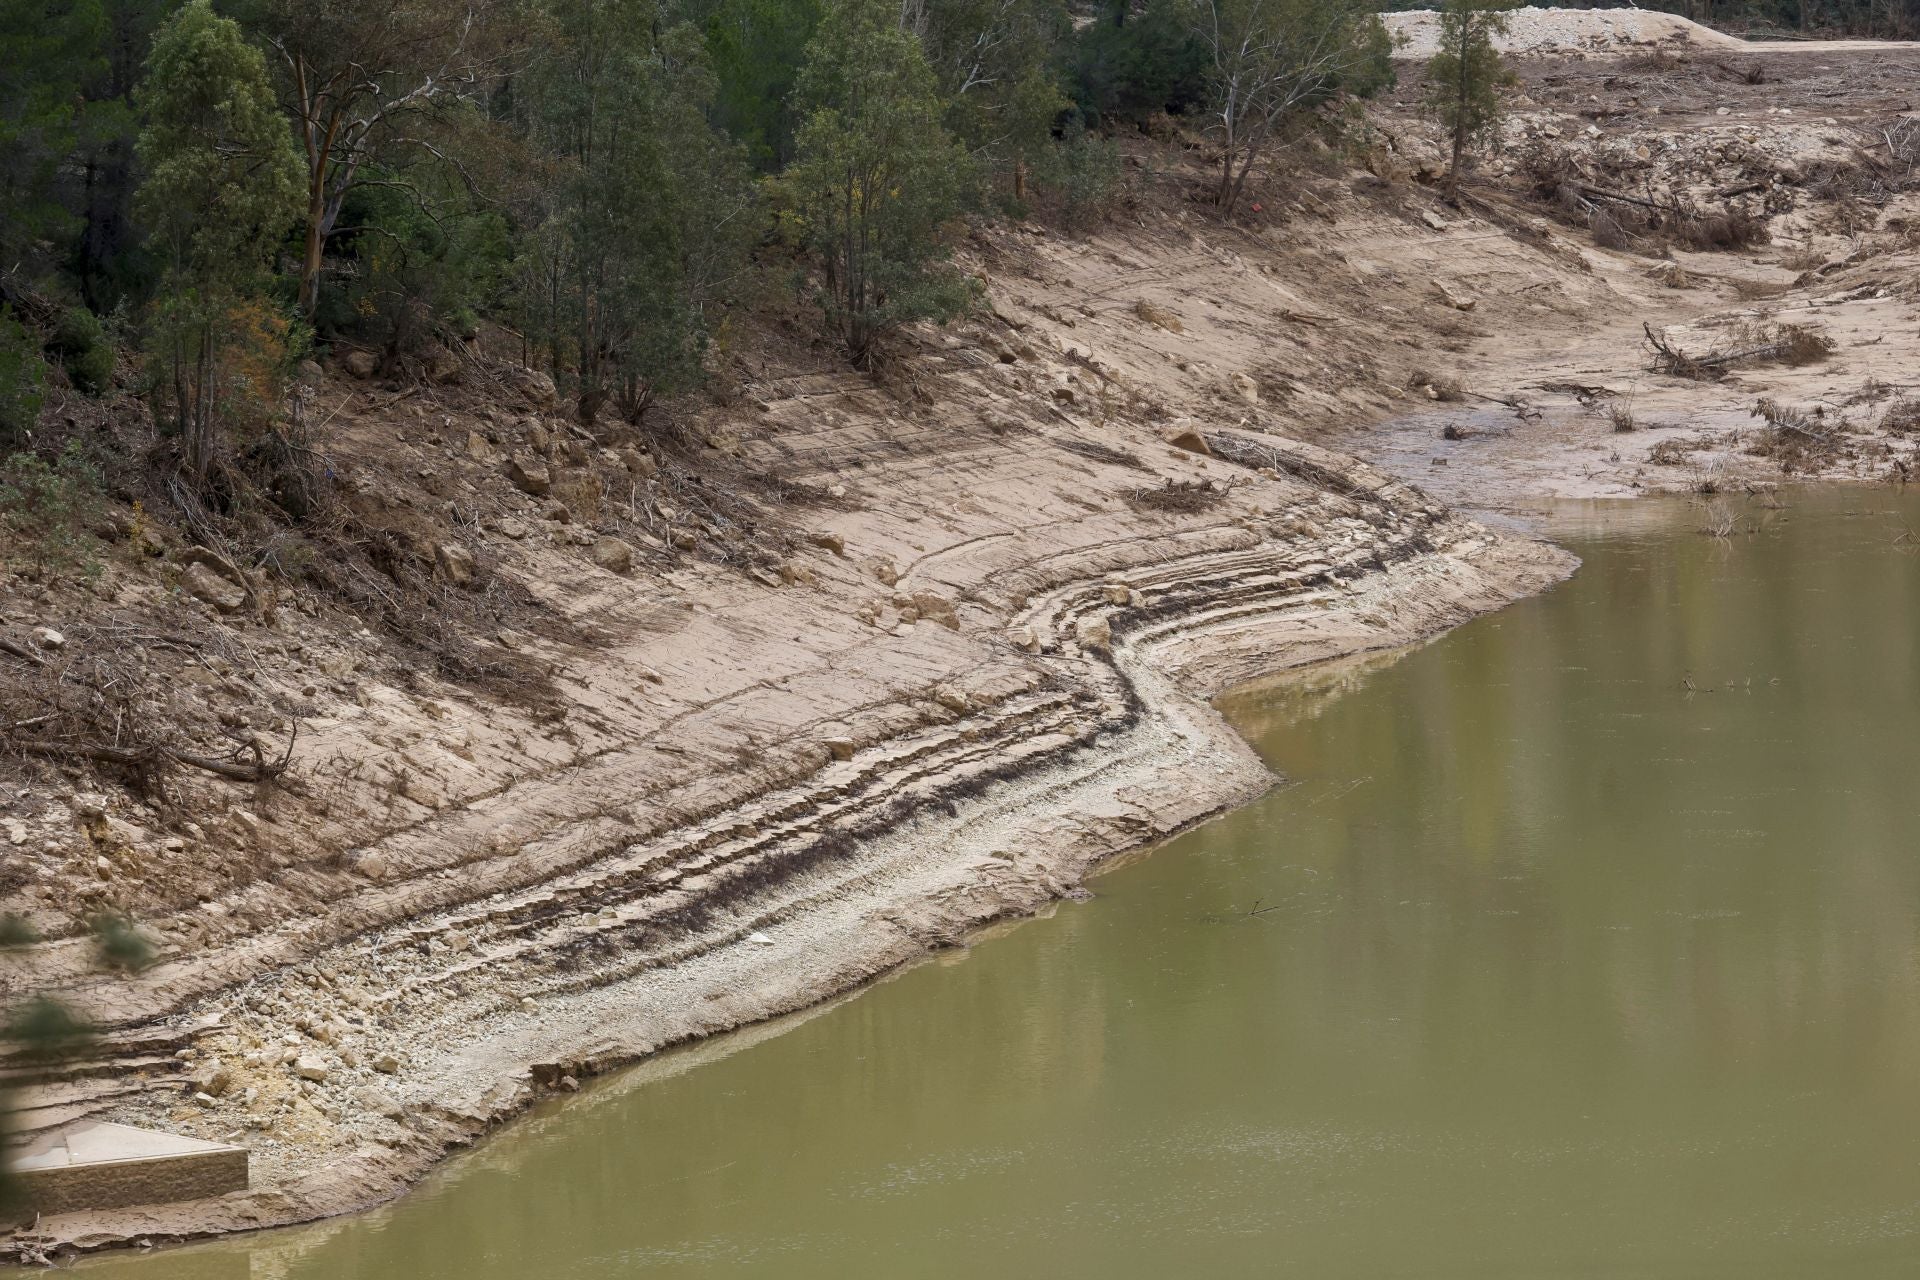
{"x": 127, "y": 1182}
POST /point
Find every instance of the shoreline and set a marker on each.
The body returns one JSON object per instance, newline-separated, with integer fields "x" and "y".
{"x": 1166, "y": 762}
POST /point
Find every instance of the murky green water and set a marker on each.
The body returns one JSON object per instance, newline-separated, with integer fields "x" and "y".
{"x": 1545, "y": 966}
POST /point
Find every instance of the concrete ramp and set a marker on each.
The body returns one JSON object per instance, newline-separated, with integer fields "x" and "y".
{"x": 96, "y": 1165}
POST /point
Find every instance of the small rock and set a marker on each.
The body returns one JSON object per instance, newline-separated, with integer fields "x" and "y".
{"x": 1094, "y": 633}
{"x": 361, "y": 364}
{"x": 309, "y": 1068}
{"x": 386, "y": 1064}
{"x": 831, "y": 541}
{"x": 48, "y": 638}
{"x": 529, "y": 475}
{"x": 204, "y": 584}
{"x": 374, "y": 1099}
{"x": 478, "y": 447}
{"x": 759, "y": 939}
{"x": 639, "y": 464}
{"x": 613, "y": 555}
{"x": 455, "y": 564}
{"x": 840, "y": 748}
{"x": 1190, "y": 440}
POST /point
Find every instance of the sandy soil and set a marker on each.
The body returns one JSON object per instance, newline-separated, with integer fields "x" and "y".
{"x": 962, "y": 659}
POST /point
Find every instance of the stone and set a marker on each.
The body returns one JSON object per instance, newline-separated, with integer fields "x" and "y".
{"x": 361, "y": 364}
{"x": 1246, "y": 388}
{"x": 831, "y": 541}
{"x": 839, "y": 748}
{"x": 204, "y": 584}
{"x": 534, "y": 387}
{"x": 686, "y": 540}
{"x": 1024, "y": 638}
{"x": 48, "y": 638}
{"x": 441, "y": 365}
{"x": 613, "y": 555}
{"x": 310, "y": 1068}
{"x": 936, "y": 608}
{"x": 455, "y": 564}
{"x": 1190, "y": 440}
{"x": 1094, "y": 633}
{"x": 886, "y": 571}
{"x": 211, "y": 1078}
{"x": 951, "y": 698}
{"x": 529, "y": 475}
{"x": 508, "y": 527}
{"x": 365, "y": 862}
{"x": 1459, "y": 302}
{"x": 479, "y": 448}
{"x": 374, "y": 1099}
{"x": 386, "y": 1064}
{"x": 640, "y": 464}
{"x": 1117, "y": 592}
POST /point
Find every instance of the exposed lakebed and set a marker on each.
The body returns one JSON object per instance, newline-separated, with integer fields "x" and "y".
{"x": 1584, "y": 941}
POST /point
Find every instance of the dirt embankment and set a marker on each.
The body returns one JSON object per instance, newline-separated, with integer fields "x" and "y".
{"x": 704, "y": 728}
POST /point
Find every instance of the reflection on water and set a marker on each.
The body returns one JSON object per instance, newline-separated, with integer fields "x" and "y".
{"x": 1546, "y": 965}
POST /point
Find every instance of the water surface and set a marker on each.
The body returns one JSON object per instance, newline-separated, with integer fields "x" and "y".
{"x": 1545, "y": 965}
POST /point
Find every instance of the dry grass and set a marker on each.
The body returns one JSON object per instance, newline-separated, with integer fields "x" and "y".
{"x": 1902, "y": 418}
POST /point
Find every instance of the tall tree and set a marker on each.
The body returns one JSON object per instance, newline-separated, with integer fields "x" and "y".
{"x": 362, "y": 77}
{"x": 48, "y": 52}
{"x": 647, "y": 212}
{"x": 755, "y": 48}
{"x": 222, "y": 188}
{"x": 1268, "y": 59}
{"x": 878, "y": 175}
{"x": 994, "y": 61}
{"x": 1465, "y": 77}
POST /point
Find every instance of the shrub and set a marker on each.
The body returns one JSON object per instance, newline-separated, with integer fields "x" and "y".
{"x": 49, "y": 506}
{"x": 80, "y": 341}
{"x": 22, "y": 377}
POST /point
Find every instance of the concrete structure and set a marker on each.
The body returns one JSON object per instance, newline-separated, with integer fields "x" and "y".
{"x": 95, "y": 1165}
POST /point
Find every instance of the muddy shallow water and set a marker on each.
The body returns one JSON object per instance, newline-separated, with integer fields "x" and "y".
{"x": 1546, "y": 964}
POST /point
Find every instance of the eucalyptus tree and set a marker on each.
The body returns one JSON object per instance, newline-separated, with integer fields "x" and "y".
{"x": 221, "y": 189}
{"x": 878, "y": 177}
{"x": 1465, "y": 77}
{"x": 647, "y": 214}
{"x": 1269, "y": 59}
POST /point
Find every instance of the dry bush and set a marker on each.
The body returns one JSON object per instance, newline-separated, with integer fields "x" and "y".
{"x": 1763, "y": 342}
{"x": 1717, "y": 231}
{"x": 1672, "y": 453}
{"x": 1757, "y": 290}
{"x": 1902, "y": 418}
{"x": 1450, "y": 390}
{"x": 1718, "y": 521}
{"x": 1800, "y": 260}
{"x": 1620, "y": 417}
{"x": 1672, "y": 275}
{"x": 1159, "y": 317}
{"x": 1608, "y": 232}
{"x": 1179, "y": 496}
{"x": 1797, "y": 439}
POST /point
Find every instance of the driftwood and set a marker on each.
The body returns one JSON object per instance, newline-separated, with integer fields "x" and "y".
{"x": 232, "y": 767}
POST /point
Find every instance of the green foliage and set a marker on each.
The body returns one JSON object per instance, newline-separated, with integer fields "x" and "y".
{"x": 222, "y": 187}
{"x": 1126, "y": 70}
{"x": 119, "y": 944}
{"x": 50, "y": 506}
{"x": 22, "y": 377}
{"x": 878, "y": 177}
{"x": 16, "y": 931}
{"x": 84, "y": 350}
{"x": 647, "y": 216}
{"x": 47, "y": 53}
{"x": 993, "y": 65}
{"x": 1465, "y": 77}
{"x": 428, "y": 256}
{"x": 1079, "y": 177}
{"x": 42, "y": 1029}
{"x": 755, "y": 48}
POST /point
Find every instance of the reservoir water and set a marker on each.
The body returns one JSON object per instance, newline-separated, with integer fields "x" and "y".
{"x": 1584, "y": 941}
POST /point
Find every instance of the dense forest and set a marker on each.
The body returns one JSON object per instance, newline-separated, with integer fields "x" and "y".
{"x": 224, "y": 188}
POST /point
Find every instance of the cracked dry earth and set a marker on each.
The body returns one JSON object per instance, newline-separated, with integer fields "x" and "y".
{"x": 1127, "y": 485}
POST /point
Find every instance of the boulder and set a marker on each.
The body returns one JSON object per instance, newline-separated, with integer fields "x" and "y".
{"x": 830, "y": 541}
{"x": 839, "y": 748}
{"x": 529, "y": 475}
{"x": 641, "y": 465}
{"x": 613, "y": 555}
{"x": 478, "y": 447}
{"x": 936, "y": 608}
{"x": 1094, "y": 633}
{"x": 204, "y": 584}
{"x": 310, "y": 1068}
{"x": 361, "y": 364}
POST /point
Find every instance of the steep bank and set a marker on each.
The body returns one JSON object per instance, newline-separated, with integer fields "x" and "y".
{"x": 746, "y": 747}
